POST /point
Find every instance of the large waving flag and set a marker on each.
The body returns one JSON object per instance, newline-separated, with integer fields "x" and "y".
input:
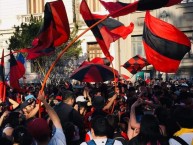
{"x": 54, "y": 31}
{"x": 135, "y": 64}
{"x": 117, "y": 9}
{"x": 16, "y": 72}
{"x": 165, "y": 46}
{"x": 2, "y": 79}
{"x": 107, "y": 31}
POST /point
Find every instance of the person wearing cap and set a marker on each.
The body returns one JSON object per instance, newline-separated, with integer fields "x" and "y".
{"x": 81, "y": 105}
{"x": 184, "y": 87}
{"x": 29, "y": 108}
{"x": 40, "y": 130}
{"x": 57, "y": 100}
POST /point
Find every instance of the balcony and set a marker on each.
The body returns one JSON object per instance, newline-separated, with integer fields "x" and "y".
{"x": 26, "y": 18}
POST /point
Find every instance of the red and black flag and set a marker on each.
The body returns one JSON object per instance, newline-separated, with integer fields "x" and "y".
{"x": 165, "y": 46}
{"x": 2, "y": 79}
{"x": 117, "y": 9}
{"x": 16, "y": 72}
{"x": 54, "y": 31}
{"x": 99, "y": 60}
{"x": 135, "y": 64}
{"x": 107, "y": 31}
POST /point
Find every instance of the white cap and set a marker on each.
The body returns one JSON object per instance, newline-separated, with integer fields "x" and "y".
{"x": 184, "y": 85}
{"x": 81, "y": 99}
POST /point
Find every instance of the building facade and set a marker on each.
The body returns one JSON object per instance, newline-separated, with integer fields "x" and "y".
{"x": 15, "y": 12}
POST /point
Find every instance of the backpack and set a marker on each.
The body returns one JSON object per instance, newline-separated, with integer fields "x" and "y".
{"x": 109, "y": 142}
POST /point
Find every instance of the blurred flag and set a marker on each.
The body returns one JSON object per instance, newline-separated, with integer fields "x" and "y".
{"x": 105, "y": 32}
{"x": 21, "y": 63}
{"x": 2, "y": 79}
{"x": 117, "y": 9}
{"x": 16, "y": 72}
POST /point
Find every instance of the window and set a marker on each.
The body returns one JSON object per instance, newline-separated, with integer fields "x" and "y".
{"x": 94, "y": 5}
{"x": 93, "y": 50}
{"x": 137, "y": 46}
{"x": 35, "y": 6}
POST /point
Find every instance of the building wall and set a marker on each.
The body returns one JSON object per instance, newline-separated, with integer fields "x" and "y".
{"x": 180, "y": 16}
{"x": 12, "y": 13}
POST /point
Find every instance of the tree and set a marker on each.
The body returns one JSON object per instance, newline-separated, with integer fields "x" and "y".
{"x": 22, "y": 38}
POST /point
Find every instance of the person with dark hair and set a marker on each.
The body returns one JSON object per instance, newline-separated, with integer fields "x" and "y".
{"x": 21, "y": 136}
{"x": 40, "y": 130}
{"x": 115, "y": 131}
{"x": 184, "y": 118}
{"x": 149, "y": 133}
{"x": 99, "y": 131}
{"x": 67, "y": 113}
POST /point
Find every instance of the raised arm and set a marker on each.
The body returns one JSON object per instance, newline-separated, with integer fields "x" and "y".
{"x": 52, "y": 114}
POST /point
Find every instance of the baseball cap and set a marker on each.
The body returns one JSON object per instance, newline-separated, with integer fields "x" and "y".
{"x": 29, "y": 97}
{"x": 81, "y": 99}
{"x": 59, "y": 98}
{"x": 184, "y": 85}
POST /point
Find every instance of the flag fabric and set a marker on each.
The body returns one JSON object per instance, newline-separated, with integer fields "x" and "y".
{"x": 107, "y": 31}
{"x": 15, "y": 72}
{"x": 135, "y": 64}
{"x": 117, "y": 9}
{"x": 2, "y": 79}
{"x": 54, "y": 31}
{"x": 166, "y": 48}
{"x": 21, "y": 62}
{"x": 99, "y": 60}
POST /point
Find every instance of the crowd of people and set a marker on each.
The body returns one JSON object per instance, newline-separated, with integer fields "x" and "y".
{"x": 144, "y": 112}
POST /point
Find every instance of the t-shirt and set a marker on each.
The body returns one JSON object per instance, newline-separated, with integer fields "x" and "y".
{"x": 187, "y": 137}
{"x": 58, "y": 138}
{"x": 103, "y": 142}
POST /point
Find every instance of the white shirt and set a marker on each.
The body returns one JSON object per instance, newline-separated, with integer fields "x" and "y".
{"x": 102, "y": 141}
{"x": 187, "y": 137}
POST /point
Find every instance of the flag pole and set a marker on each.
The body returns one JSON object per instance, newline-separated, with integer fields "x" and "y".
{"x": 60, "y": 55}
{"x": 10, "y": 53}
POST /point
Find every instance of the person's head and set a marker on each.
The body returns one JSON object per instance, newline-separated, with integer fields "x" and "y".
{"x": 184, "y": 117}
{"x": 68, "y": 97}
{"x": 39, "y": 129}
{"x": 29, "y": 103}
{"x": 82, "y": 104}
{"x": 162, "y": 115}
{"x": 149, "y": 128}
{"x": 184, "y": 87}
{"x": 21, "y": 136}
{"x": 99, "y": 126}
{"x": 131, "y": 92}
{"x": 113, "y": 122}
{"x": 98, "y": 102}
{"x": 57, "y": 99}
{"x": 96, "y": 92}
